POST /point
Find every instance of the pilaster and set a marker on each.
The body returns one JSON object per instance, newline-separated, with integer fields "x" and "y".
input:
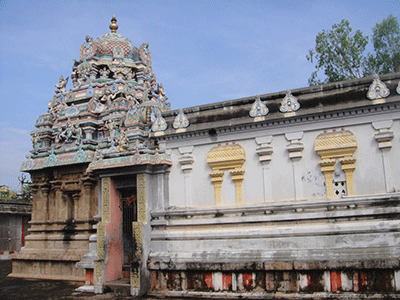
{"x": 56, "y": 186}
{"x": 186, "y": 160}
{"x": 237, "y": 177}
{"x": 295, "y": 149}
{"x": 264, "y": 152}
{"x": 348, "y": 166}
{"x": 327, "y": 168}
{"x": 384, "y": 137}
{"x": 217, "y": 178}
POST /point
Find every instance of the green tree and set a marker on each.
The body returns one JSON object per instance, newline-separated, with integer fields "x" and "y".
{"x": 386, "y": 39}
{"x": 338, "y": 53}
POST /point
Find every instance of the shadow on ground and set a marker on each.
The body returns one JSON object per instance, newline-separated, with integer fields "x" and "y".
{"x": 18, "y": 288}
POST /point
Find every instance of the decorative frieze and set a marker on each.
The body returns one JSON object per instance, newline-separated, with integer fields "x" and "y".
{"x": 105, "y": 198}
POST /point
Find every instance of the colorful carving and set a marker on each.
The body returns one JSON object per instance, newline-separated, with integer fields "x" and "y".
{"x": 181, "y": 121}
{"x": 88, "y": 48}
{"x": 62, "y": 83}
{"x": 258, "y": 109}
{"x": 289, "y": 103}
{"x": 51, "y": 161}
{"x": 144, "y": 53}
{"x": 159, "y": 124}
{"x": 377, "y": 90}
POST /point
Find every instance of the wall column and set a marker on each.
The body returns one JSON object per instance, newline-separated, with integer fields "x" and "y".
{"x": 237, "y": 177}
{"x": 328, "y": 167}
{"x": 186, "y": 160}
{"x": 264, "y": 152}
{"x": 101, "y": 235}
{"x": 295, "y": 149}
{"x": 216, "y": 179}
{"x": 348, "y": 166}
{"x": 384, "y": 138}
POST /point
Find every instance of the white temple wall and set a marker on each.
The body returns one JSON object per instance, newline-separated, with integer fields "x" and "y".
{"x": 369, "y": 175}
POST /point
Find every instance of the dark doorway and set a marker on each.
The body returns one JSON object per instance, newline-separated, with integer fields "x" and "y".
{"x": 129, "y": 215}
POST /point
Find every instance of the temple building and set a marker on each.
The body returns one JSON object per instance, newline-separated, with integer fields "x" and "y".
{"x": 291, "y": 193}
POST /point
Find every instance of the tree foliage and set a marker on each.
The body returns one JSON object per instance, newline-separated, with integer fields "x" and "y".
{"x": 339, "y": 52}
{"x": 386, "y": 40}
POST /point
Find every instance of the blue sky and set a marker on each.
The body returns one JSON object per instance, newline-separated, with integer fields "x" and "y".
{"x": 202, "y": 51}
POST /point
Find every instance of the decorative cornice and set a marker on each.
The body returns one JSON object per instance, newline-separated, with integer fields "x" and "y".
{"x": 292, "y": 121}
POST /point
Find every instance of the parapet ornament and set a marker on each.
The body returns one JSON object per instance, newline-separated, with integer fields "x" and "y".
{"x": 398, "y": 88}
{"x": 159, "y": 123}
{"x": 258, "y": 109}
{"x": 377, "y": 90}
{"x": 289, "y": 103}
{"x": 181, "y": 121}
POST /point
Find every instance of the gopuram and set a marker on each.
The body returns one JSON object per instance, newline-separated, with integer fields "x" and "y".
{"x": 285, "y": 194}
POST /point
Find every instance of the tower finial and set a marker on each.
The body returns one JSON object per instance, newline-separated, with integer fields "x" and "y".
{"x": 113, "y": 25}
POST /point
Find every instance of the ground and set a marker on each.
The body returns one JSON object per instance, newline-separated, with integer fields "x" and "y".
{"x": 16, "y": 288}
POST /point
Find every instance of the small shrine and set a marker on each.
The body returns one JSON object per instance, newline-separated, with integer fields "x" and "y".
{"x": 103, "y": 123}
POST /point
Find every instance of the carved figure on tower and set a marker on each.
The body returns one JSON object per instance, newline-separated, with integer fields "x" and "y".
{"x": 62, "y": 83}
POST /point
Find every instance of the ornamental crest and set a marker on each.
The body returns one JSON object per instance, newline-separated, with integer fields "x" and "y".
{"x": 88, "y": 48}
{"x": 144, "y": 53}
{"x": 90, "y": 91}
{"x": 73, "y": 111}
{"x": 51, "y": 161}
{"x": 159, "y": 123}
{"x": 181, "y": 121}
{"x": 377, "y": 90}
{"x": 70, "y": 97}
{"x": 289, "y": 103}
{"x": 258, "y": 109}
{"x": 80, "y": 156}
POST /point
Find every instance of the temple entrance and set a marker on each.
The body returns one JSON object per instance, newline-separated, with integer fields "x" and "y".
{"x": 129, "y": 215}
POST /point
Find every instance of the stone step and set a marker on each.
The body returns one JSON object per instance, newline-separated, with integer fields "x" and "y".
{"x": 120, "y": 287}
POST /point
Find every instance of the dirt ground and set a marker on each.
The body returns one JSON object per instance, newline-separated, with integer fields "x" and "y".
{"x": 17, "y": 288}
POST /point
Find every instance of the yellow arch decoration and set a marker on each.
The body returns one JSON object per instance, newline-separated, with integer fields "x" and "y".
{"x": 334, "y": 145}
{"x": 227, "y": 157}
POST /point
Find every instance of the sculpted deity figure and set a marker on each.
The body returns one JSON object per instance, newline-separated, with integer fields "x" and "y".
{"x": 35, "y": 141}
{"x": 83, "y": 72}
{"x": 95, "y": 106}
{"x": 122, "y": 141}
{"x": 107, "y": 96}
{"x": 104, "y": 73}
{"x": 58, "y": 139}
{"x": 112, "y": 127}
{"x": 69, "y": 133}
{"x": 78, "y": 134}
{"x": 60, "y": 86}
{"x": 162, "y": 99}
